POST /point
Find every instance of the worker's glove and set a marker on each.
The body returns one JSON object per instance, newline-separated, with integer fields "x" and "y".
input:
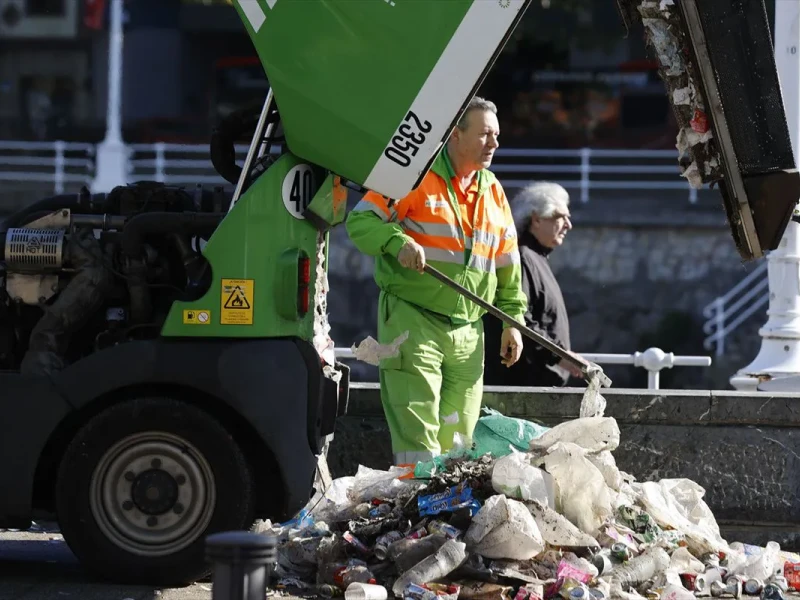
{"x": 510, "y": 346}
{"x": 412, "y": 256}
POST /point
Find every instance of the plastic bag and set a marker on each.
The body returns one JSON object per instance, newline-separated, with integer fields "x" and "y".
{"x": 595, "y": 434}
{"x": 326, "y": 505}
{"x": 607, "y": 465}
{"x": 494, "y": 434}
{"x": 514, "y": 476}
{"x": 371, "y": 483}
{"x": 593, "y": 404}
{"x": 755, "y": 561}
{"x": 679, "y": 504}
{"x": 504, "y": 528}
{"x": 557, "y": 531}
{"x": 583, "y": 496}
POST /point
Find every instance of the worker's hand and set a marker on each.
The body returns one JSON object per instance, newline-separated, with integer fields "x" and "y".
{"x": 412, "y": 256}
{"x": 573, "y": 369}
{"x": 510, "y": 346}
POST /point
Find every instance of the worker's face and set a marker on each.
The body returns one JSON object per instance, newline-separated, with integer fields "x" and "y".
{"x": 551, "y": 232}
{"x": 474, "y": 147}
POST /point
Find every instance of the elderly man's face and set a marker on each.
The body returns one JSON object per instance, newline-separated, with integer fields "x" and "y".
{"x": 474, "y": 147}
{"x": 551, "y": 232}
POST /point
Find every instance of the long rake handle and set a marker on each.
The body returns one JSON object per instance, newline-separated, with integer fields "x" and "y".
{"x": 587, "y": 368}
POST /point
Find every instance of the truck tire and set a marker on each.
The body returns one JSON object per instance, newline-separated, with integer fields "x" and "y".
{"x": 143, "y": 483}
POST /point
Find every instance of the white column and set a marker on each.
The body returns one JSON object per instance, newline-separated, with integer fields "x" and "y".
{"x": 112, "y": 153}
{"x": 780, "y": 336}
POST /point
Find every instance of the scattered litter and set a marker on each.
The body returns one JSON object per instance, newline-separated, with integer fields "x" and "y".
{"x": 522, "y": 512}
{"x": 372, "y": 353}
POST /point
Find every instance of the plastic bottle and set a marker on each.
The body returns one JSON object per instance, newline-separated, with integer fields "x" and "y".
{"x": 639, "y": 569}
{"x": 406, "y": 553}
{"x": 365, "y": 591}
{"x": 446, "y": 560}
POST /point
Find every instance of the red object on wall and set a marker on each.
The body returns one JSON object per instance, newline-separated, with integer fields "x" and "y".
{"x": 94, "y": 13}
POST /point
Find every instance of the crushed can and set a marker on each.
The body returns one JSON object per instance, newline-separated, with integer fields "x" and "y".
{"x": 445, "y": 529}
{"x": 355, "y": 542}
{"x": 734, "y": 588}
{"x": 689, "y": 581}
{"x": 620, "y": 551}
{"x": 382, "y": 544}
{"x": 771, "y": 592}
{"x": 602, "y": 562}
{"x": 781, "y": 582}
{"x": 753, "y": 586}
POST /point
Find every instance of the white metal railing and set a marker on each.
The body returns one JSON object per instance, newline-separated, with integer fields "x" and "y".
{"x": 585, "y": 169}
{"x": 725, "y": 313}
{"x": 654, "y": 360}
{"x": 57, "y": 163}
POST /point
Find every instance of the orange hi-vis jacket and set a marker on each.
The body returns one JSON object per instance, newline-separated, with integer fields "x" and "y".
{"x": 469, "y": 235}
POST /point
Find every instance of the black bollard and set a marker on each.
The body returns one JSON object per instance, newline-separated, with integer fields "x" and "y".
{"x": 243, "y": 563}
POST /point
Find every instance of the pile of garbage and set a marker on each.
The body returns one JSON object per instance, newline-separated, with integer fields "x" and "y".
{"x": 522, "y": 512}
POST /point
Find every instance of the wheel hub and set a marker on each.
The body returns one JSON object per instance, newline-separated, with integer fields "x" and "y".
{"x": 153, "y": 494}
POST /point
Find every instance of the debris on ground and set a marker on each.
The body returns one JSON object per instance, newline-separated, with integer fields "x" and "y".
{"x": 522, "y": 512}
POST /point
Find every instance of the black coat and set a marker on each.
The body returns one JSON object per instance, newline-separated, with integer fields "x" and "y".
{"x": 546, "y": 314}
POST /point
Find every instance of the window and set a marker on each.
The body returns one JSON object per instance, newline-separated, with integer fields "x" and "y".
{"x": 45, "y": 8}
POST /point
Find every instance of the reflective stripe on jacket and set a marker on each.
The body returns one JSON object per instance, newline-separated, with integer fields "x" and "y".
{"x": 482, "y": 256}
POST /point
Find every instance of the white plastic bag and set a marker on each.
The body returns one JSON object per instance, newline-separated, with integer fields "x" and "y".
{"x": 595, "y": 434}
{"x": 557, "y": 530}
{"x": 679, "y": 504}
{"x": 755, "y": 561}
{"x": 593, "y": 404}
{"x": 514, "y": 476}
{"x": 605, "y": 463}
{"x": 371, "y": 483}
{"x": 583, "y": 496}
{"x": 504, "y": 528}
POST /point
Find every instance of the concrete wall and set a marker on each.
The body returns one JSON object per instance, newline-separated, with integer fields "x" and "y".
{"x": 742, "y": 449}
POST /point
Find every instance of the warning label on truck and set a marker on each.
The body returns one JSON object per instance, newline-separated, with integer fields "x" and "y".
{"x": 236, "y": 302}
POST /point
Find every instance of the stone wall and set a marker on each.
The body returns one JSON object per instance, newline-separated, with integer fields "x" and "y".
{"x": 626, "y": 288}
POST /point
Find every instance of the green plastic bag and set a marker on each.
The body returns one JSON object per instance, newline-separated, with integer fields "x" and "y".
{"x": 495, "y": 434}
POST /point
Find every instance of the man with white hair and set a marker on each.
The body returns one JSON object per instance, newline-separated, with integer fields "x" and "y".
{"x": 542, "y": 218}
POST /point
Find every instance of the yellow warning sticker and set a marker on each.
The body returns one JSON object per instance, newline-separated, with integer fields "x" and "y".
{"x": 197, "y": 317}
{"x": 237, "y": 302}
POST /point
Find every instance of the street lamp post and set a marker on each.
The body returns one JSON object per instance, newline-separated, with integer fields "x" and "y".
{"x": 112, "y": 153}
{"x": 779, "y": 356}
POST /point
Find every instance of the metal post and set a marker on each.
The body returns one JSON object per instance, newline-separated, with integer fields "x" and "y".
{"x": 112, "y": 153}
{"x": 779, "y": 355}
{"x": 160, "y": 162}
{"x": 653, "y": 379}
{"x": 719, "y": 317}
{"x": 243, "y": 562}
{"x": 586, "y": 169}
{"x": 58, "y": 176}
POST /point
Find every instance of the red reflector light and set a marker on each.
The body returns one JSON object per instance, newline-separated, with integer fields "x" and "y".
{"x": 304, "y": 281}
{"x": 305, "y": 270}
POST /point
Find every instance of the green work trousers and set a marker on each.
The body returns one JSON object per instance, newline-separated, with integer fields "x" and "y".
{"x": 434, "y": 387}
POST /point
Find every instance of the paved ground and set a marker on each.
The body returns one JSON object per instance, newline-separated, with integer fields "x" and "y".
{"x": 40, "y": 566}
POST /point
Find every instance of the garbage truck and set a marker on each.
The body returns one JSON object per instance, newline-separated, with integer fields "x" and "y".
{"x": 167, "y": 363}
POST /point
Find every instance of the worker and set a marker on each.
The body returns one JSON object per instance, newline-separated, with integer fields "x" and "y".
{"x": 458, "y": 220}
{"x": 542, "y": 217}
